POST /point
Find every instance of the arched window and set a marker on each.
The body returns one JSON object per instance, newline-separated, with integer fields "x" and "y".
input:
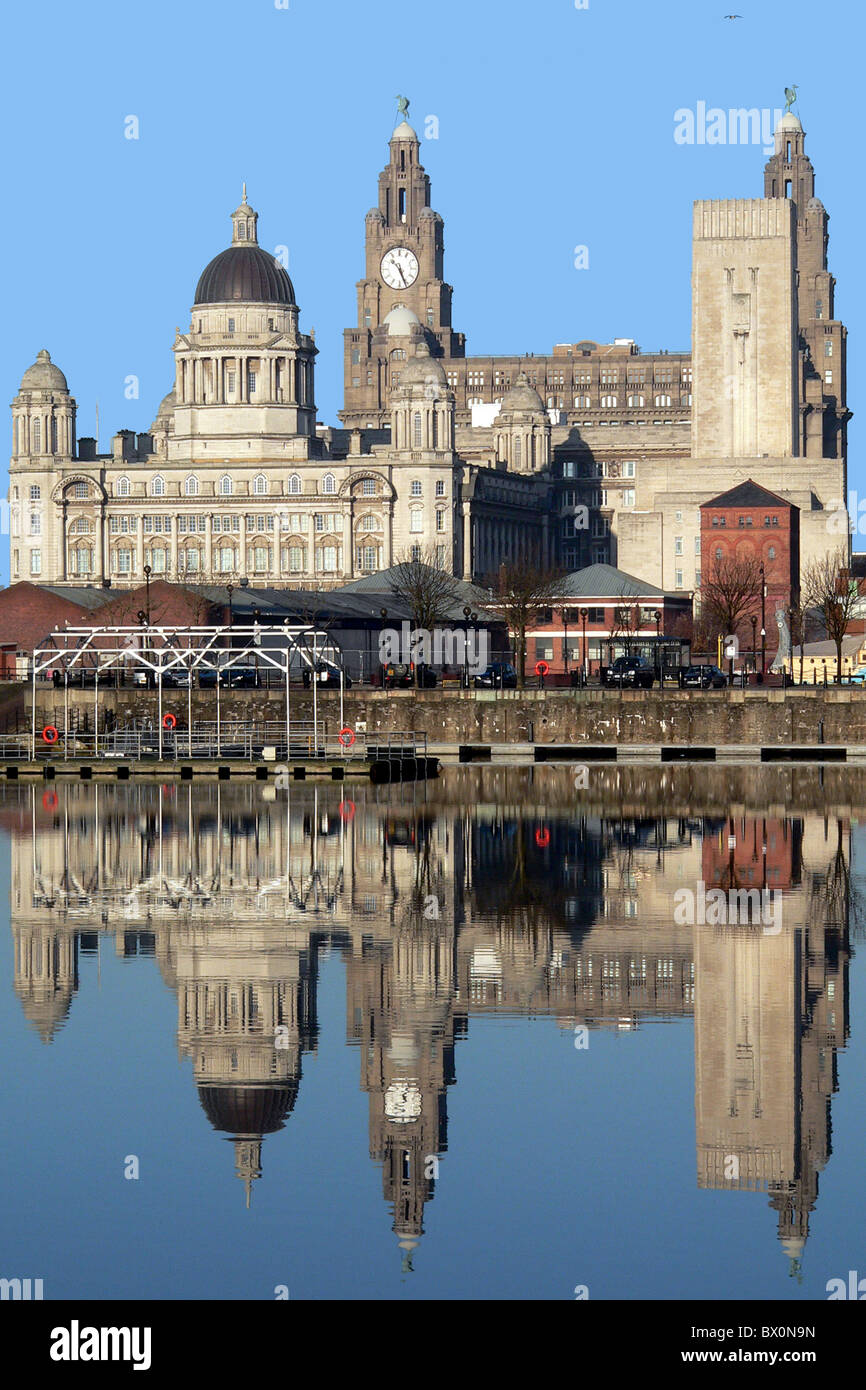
{"x": 158, "y": 559}
{"x": 226, "y": 558}
{"x": 82, "y": 559}
{"x": 259, "y": 558}
{"x": 226, "y": 488}
{"x": 608, "y": 402}
{"x": 719, "y": 554}
{"x": 157, "y": 486}
{"x": 294, "y": 483}
{"x": 416, "y": 520}
{"x": 123, "y": 487}
{"x": 370, "y": 523}
{"x": 242, "y": 227}
{"x": 123, "y": 560}
{"x": 636, "y": 400}
{"x": 662, "y": 400}
{"x": 190, "y": 560}
{"x": 37, "y": 436}
{"x": 329, "y": 483}
{"x": 297, "y": 559}
{"x": 190, "y": 487}
{"x": 518, "y": 450}
{"x": 771, "y": 553}
{"x": 416, "y": 429}
{"x": 260, "y": 485}
{"x": 398, "y": 355}
{"x": 82, "y": 525}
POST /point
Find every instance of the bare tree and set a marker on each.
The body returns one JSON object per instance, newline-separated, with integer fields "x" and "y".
{"x": 730, "y": 592}
{"x": 420, "y": 580}
{"x": 625, "y": 624}
{"x": 522, "y": 590}
{"x": 829, "y": 588}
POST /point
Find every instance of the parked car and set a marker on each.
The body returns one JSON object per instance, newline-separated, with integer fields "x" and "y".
{"x": 630, "y": 671}
{"x": 401, "y": 675}
{"x": 703, "y": 678}
{"x": 240, "y": 677}
{"x": 500, "y": 675}
{"x": 326, "y": 674}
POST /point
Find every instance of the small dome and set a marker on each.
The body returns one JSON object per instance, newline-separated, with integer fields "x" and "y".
{"x": 522, "y": 397}
{"x": 428, "y": 212}
{"x": 43, "y": 375}
{"x": 247, "y": 274}
{"x": 789, "y": 122}
{"x": 167, "y": 405}
{"x": 404, "y": 132}
{"x": 424, "y": 370}
{"x": 401, "y": 322}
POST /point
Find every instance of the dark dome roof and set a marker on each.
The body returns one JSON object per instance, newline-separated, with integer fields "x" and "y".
{"x": 249, "y": 1109}
{"x": 245, "y": 273}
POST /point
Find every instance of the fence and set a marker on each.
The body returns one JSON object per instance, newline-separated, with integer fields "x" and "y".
{"x": 238, "y": 740}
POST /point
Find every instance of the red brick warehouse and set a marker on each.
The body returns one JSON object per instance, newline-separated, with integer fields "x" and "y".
{"x": 748, "y": 521}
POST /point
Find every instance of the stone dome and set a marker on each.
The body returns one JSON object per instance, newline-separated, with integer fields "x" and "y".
{"x": 424, "y": 370}
{"x": 522, "y": 397}
{"x": 43, "y": 375}
{"x": 404, "y": 132}
{"x": 789, "y": 122}
{"x": 167, "y": 405}
{"x": 246, "y": 274}
{"x": 401, "y": 322}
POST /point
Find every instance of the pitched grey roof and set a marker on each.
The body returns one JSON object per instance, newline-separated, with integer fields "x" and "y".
{"x": 604, "y": 581}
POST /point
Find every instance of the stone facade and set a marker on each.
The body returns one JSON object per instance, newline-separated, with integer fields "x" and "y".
{"x": 593, "y": 454}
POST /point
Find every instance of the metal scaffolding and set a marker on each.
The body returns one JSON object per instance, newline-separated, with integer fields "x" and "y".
{"x": 95, "y": 652}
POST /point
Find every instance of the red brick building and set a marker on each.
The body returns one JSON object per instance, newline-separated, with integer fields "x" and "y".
{"x": 603, "y": 613}
{"x": 748, "y": 521}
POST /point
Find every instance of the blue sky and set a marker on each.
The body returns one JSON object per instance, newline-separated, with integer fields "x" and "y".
{"x": 555, "y": 130}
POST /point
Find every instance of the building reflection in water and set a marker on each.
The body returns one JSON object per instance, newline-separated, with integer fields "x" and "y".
{"x": 494, "y": 891}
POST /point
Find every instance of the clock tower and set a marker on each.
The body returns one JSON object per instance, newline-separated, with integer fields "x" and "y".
{"x": 403, "y": 271}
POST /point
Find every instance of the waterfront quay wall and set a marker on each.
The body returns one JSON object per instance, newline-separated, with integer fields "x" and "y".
{"x": 593, "y": 717}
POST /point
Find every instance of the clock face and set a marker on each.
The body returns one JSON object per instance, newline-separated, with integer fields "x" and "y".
{"x": 403, "y": 1101}
{"x": 399, "y": 267}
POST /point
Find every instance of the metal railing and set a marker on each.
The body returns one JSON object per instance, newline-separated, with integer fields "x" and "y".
{"x": 238, "y": 740}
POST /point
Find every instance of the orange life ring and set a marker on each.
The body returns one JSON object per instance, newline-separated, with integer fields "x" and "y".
{"x": 169, "y": 721}
{"x": 347, "y": 742}
{"x": 50, "y": 734}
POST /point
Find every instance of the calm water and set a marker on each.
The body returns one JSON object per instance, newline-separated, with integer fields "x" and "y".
{"x": 486, "y": 1037}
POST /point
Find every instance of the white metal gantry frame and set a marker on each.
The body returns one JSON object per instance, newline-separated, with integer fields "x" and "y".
{"x": 157, "y": 649}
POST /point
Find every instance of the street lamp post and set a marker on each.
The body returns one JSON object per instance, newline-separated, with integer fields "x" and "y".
{"x": 467, "y": 614}
{"x": 658, "y": 617}
{"x": 763, "y": 623}
{"x": 147, "y": 573}
{"x": 230, "y": 590}
{"x": 584, "y": 614}
{"x": 754, "y": 622}
{"x": 383, "y": 614}
{"x": 565, "y": 639}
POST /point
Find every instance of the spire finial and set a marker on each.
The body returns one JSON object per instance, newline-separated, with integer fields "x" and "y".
{"x": 244, "y": 191}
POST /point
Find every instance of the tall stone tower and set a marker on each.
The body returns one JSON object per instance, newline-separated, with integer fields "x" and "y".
{"x": 744, "y": 329}
{"x": 404, "y": 268}
{"x": 824, "y": 415}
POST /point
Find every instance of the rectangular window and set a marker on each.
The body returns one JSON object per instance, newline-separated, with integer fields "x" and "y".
{"x": 628, "y": 468}
{"x": 440, "y": 521}
{"x": 628, "y": 497}
{"x": 440, "y": 488}
{"x": 356, "y": 356}
{"x": 828, "y": 377}
{"x": 251, "y": 383}
{"x": 678, "y": 579}
{"x": 828, "y": 347}
{"x": 415, "y": 488}
{"x": 230, "y": 383}
{"x": 329, "y": 558}
{"x": 124, "y": 561}
{"x": 36, "y": 562}
{"x": 678, "y": 545}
